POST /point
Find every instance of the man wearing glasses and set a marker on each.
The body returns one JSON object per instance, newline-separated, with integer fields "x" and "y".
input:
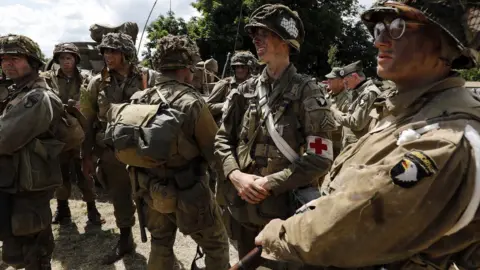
{"x": 406, "y": 195}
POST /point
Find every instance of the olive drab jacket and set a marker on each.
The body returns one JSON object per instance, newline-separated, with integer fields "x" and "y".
{"x": 356, "y": 120}
{"x": 301, "y": 116}
{"x": 190, "y": 154}
{"x": 340, "y": 101}
{"x": 29, "y": 119}
{"x": 29, "y": 111}
{"x": 104, "y": 89}
{"x": 218, "y": 96}
{"x": 405, "y": 196}
{"x": 66, "y": 88}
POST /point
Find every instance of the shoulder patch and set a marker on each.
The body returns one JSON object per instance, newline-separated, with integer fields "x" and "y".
{"x": 414, "y": 167}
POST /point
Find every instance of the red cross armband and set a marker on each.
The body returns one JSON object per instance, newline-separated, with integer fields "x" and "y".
{"x": 320, "y": 146}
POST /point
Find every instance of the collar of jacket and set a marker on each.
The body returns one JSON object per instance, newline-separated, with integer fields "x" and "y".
{"x": 401, "y": 100}
{"x": 76, "y": 73}
{"x": 285, "y": 78}
{"x": 107, "y": 73}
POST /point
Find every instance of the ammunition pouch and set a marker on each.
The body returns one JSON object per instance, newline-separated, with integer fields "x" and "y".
{"x": 39, "y": 165}
{"x": 194, "y": 211}
{"x": 194, "y": 208}
{"x": 164, "y": 196}
{"x": 159, "y": 193}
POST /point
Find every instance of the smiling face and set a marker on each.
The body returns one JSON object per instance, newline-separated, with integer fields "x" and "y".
{"x": 268, "y": 45}
{"x": 413, "y": 55}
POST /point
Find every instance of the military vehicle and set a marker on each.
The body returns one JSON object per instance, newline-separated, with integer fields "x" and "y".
{"x": 91, "y": 59}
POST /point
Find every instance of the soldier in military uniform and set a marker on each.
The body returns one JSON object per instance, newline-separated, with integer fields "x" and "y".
{"x": 66, "y": 81}
{"x": 340, "y": 99}
{"x": 119, "y": 80}
{"x": 275, "y": 139}
{"x": 194, "y": 212}
{"x": 29, "y": 149}
{"x": 364, "y": 91}
{"x": 405, "y": 196}
{"x": 243, "y": 63}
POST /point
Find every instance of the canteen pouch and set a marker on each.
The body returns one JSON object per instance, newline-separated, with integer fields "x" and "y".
{"x": 194, "y": 204}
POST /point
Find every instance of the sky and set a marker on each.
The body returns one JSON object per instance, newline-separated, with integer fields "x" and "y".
{"x": 49, "y": 22}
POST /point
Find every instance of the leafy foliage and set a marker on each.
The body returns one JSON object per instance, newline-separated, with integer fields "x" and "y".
{"x": 328, "y": 24}
{"x": 471, "y": 74}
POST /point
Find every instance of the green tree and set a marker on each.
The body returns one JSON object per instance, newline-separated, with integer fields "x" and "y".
{"x": 163, "y": 26}
{"x": 332, "y": 56}
{"x": 328, "y": 24}
{"x": 471, "y": 74}
{"x": 325, "y": 25}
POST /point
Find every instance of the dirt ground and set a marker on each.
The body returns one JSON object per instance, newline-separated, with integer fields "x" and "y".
{"x": 79, "y": 247}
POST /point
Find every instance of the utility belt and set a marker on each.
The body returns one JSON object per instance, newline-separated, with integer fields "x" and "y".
{"x": 181, "y": 190}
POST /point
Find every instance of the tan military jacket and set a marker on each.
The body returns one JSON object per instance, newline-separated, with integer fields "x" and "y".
{"x": 106, "y": 88}
{"x": 302, "y": 118}
{"x": 357, "y": 118}
{"x": 66, "y": 88}
{"x": 216, "y": 100}
{"x": 340, "y": 102}
{"x": 392, "y": 199}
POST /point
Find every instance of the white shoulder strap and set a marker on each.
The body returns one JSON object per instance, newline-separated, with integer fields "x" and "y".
{"x": 281, "y": 144}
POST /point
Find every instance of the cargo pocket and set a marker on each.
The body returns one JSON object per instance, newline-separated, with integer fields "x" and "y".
{"x": 31, "y": 215}
{"x": 39, "y": 165}
{"x": 164, "y": 197}
{"x": 194, "y": 208}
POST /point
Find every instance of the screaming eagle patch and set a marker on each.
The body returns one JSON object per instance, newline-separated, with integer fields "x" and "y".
{"x": 412, "y": 168}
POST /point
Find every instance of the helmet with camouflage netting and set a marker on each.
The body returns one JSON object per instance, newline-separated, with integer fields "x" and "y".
{"x": 121, "y": 42}
{"x": 66, "y": 48}
{"x": 281, "y": 20}
{"x": 176, "y": 52}
{"x": 19, "y": 44}
{"x": 244, "y": 58}
{"x": 458, "y": 19}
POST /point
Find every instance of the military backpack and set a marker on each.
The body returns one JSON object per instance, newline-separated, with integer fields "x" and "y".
{"x": 142, "y": 134}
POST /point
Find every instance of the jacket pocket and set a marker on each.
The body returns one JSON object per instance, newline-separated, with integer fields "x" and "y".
{"x": 194, "y": 208}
